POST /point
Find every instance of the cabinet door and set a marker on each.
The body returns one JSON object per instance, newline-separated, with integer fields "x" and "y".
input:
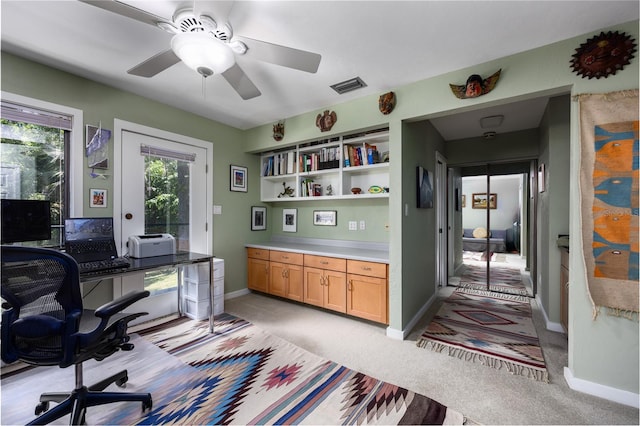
{"x": 367, "y": 298}
{"x": 295, "y": 282}
{"x": 335, "y": 291}
{"x": 278, "y": 279}
{"x": 313, "y": 287}
{"x": 258, "y": 274}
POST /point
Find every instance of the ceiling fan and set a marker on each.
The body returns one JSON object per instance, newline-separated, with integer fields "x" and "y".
{"x": 209, "y": 47}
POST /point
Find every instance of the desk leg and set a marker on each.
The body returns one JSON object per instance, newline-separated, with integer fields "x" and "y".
{"x": 180, "y": 284}
{"x": 211, "y": 273}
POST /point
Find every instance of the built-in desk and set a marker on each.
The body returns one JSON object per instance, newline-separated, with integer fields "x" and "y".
{"x": 147, "y": 264}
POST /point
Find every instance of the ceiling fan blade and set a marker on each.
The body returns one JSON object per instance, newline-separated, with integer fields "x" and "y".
{"x": 126, "y": 11}
{"x": 282, "y": 55}
{"x": 155, "y": 64}
{"x": 240, "y": 82}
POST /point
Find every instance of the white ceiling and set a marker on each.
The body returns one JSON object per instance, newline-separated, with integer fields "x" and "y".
{"x": 386, "y": 43}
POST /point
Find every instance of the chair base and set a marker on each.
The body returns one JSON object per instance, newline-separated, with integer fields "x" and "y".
{"x": 77, "y": 401}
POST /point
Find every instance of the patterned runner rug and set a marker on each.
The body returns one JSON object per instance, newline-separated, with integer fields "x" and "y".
{"x": 492, "y": 329}
{"x": 503, "y": 279}
{"x": 238, "y": 375}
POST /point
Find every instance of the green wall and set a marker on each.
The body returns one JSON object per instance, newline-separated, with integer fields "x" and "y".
{"x": 101, "y": 103}
{"x": 540, "y": 72}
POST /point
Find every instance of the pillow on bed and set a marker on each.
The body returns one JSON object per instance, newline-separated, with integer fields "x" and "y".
{"x": 480, "y": 232}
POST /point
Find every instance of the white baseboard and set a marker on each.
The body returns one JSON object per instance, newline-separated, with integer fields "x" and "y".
{"x": 551, "y": 326}
{"x": 234, "y": 294}
{"x": 402, "y": 334}
{"x": 601, "y": 391}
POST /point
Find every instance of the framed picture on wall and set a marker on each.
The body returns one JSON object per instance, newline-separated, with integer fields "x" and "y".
{"x": 289, "y": 220}
{"x": 324, "y": 217}
{"x": 98, "y": 198}
{"x": 425, "y": 188}
{"x": 238, "y": 178}
{"x": 258, "y": 218}
{"x": 479, "y": 201}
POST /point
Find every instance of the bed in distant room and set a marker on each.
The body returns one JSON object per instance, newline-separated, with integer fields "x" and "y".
{"x": 476, "y": 240}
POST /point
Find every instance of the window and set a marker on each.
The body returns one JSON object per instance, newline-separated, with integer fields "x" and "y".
{"x": 34, "y": 161}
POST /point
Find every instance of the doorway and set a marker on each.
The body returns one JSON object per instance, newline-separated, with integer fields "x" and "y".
{"x": 494, "y": 229}
{"x": 163, "y": 190}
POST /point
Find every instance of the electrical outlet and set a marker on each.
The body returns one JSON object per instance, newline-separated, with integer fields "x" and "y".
{"x": 363, "y": 225}
{"x": 353, "y": 225}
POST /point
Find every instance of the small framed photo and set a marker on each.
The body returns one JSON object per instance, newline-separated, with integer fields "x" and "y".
{"x": 258, "y": 218}
{"x": 324, "y": 217}
{"x": 238, "y": 178}
{"x": 289, "y": 220}
{"x": 98, "y": 198}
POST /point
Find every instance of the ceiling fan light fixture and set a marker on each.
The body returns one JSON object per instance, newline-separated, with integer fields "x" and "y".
{"x": 203, "y": 53}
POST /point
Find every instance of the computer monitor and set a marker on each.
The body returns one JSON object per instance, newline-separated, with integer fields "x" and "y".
{"x": 25, "y": 220}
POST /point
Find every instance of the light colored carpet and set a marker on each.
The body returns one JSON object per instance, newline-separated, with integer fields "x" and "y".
{"x": 484, "y": 395}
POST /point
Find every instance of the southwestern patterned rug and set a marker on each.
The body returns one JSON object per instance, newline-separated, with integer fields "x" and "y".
{"x": 492, "y": 329}
{"x": 503, "y": 279}
{"x": 238, "y": 375}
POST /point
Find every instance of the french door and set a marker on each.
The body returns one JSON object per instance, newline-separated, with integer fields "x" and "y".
{"x": 164, "y": 190}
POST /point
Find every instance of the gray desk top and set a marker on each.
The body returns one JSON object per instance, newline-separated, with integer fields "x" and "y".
{"x": 356, "y": 251}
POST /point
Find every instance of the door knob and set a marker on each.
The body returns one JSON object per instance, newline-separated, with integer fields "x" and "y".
{"x": 128, "y": 216}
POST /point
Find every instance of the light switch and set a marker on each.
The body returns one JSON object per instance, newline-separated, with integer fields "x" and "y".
{"x": 217, "y": 209}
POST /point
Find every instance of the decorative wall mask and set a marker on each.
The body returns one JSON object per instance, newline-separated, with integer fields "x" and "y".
{"x": 475, "y": 86}
{"x": 326, "y": 120}
{"x": 387, "y": 102}
{"x": 603, "y": 55}
{"x": 278, "y": 131}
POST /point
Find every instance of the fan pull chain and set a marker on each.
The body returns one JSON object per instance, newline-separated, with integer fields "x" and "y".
{"x": 204, "y": 86}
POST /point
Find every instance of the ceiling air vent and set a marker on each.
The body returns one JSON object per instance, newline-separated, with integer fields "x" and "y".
{"x": 348, "y": 85}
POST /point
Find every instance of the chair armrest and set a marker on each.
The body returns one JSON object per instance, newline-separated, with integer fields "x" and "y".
{"x": 109, "y": 309}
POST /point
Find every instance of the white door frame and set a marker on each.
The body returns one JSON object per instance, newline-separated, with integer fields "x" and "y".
{"x": 121, "y": 126}
{"x": 441, "y": 219}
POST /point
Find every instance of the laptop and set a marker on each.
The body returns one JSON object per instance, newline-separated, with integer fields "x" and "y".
{"x": 90, "y": 242}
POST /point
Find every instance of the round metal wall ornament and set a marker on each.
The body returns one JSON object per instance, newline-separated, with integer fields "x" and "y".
{"x": 603, "y": 55}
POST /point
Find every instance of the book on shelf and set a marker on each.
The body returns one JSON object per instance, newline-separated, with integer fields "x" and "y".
{"x": 360, "y": 155}
{"x": 282, "y": 163}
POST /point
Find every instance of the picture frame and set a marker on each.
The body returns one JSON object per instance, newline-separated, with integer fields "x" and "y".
{"x": 96, "y": 147}
{"x": 325, "y": 217}
{"x": 98, "y": 198}
{"x": 479, "y": 201}
{"x": 238, "y": 178}
{"x": 289, "y": 220}
{"x": 542, "y": 178}
{"x": 424, "y": 180}
{"x": 258, "y": 218}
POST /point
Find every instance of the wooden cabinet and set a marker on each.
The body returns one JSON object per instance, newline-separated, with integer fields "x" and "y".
{"x": 564, "y": 289}
{"x": 286, "y": 275}
{"x": 258, "y": 269}
{"x": 367, "y": 290}
{"x": 325, "y": 282}
{"x": 348, "y": 286}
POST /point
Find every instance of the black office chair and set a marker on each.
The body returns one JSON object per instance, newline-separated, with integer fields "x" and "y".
{"x": 44, "y": 323}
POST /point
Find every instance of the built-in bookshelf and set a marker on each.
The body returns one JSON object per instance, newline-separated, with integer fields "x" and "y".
{"x": 328, "y": 168}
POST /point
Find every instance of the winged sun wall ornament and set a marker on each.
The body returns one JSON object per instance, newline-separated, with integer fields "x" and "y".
{"x": 475, "y": 86}
{"x": 326, "y": 120}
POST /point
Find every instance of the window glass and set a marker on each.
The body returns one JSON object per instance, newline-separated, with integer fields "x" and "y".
{"x": 33, "y": 167}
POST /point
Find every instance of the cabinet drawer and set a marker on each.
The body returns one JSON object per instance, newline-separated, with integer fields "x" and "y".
{"x": 286, "y": 257}
{"x": 322, "y": 262}
{"x": 371, "y": 269}
{"x": 257, "y": 253}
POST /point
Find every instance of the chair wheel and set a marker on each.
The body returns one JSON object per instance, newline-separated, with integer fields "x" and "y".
{"x": 42, "y": 407}
{"x": 122, "y": 382}
{"x": 147, "y": 405}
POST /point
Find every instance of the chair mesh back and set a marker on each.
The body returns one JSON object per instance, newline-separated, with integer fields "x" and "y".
{"x": 36, "y": 287}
